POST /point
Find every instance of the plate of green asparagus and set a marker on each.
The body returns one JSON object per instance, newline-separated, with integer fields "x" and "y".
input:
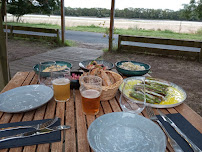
{"x": 159, "y": 93}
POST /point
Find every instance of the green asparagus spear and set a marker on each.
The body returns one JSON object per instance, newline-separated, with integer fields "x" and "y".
{"x": 149, "y": 99}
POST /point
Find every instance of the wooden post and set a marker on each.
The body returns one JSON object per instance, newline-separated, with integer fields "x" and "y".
{"x": 11, "y": 31}
{"x": 4, "y": 71}
{"x": 63, "y": 21}
{"x": 119, "y": 43}
{"x": 111, "y": 30}
{"x": 58, "y": 35}
{"x": 200, "y": 55}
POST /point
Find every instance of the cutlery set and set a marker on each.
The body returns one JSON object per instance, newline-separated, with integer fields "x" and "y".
{"x": 172, "y": 142}
{"x": 42, "y": 128}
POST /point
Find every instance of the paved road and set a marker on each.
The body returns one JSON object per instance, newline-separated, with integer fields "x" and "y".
{"x": 73, "y": 55}
{"x": 98, "y": 39}
{"x": 88, "y": 37}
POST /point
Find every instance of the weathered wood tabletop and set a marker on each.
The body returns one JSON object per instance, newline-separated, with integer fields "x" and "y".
{"x": 74, "y": 139}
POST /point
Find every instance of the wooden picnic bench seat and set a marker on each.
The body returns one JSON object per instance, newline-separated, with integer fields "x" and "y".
{"x": 162, "y": 41}
{"x": 33, "y": 32}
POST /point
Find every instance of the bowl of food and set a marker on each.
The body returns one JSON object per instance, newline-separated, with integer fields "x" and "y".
{"x": 91, "y": 64}
{"x": 132, "y": 68}
{"x": 74, "y": 83}
{"x": 60, "y": 65}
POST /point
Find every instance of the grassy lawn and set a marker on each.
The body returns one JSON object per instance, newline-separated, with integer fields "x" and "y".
{"x": 135, "y": 31}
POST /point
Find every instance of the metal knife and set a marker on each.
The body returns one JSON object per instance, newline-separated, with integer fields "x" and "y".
{"x": 191, "y": 144}
{"x": 37, "y": 126}
{"x": 35, "y": 133}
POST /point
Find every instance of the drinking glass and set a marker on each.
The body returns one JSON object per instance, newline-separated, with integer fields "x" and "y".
{"x": 61, "y": 85}
{"x": 90, "y": 89}
{"x": 133, "y": 98}
{"x": 45, "y": 69}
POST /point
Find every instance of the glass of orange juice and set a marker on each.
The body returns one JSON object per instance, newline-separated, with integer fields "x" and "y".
{"x": 61, "y": 85}
{"x": 90, "y": 89}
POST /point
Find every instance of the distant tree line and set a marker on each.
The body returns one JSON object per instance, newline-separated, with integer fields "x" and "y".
{"x": 140, "y": 13}
{"x": 191, "y": 11}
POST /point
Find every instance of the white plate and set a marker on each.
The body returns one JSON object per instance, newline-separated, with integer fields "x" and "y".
{"x": 25, "y": 98}
{"x": 125, "y": 132}
{"x": 179, "y": 89}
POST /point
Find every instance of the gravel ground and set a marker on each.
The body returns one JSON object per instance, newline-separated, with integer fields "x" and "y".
{"x": 186, "y": 74}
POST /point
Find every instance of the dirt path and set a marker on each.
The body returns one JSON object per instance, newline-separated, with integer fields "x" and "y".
{"x": 186, "y": 74}
{"x": 18, "y": 48}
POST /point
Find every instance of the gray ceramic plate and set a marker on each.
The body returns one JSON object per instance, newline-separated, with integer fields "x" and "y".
{"x": 125, "y": 132}
{"x": 25, "y": 98}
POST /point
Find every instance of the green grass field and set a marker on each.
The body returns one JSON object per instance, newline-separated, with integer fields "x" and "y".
{"x": 135, "y": 31}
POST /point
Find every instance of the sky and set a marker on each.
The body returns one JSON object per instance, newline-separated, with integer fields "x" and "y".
{"x": 121, "y": 4}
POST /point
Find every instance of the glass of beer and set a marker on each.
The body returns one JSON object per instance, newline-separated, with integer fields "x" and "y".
{"x": 61, "y": 85}
{"x": 90, "y": 89}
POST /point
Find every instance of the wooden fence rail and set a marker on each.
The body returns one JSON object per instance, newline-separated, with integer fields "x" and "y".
{"x": 162, "y": 41}
{"x": 34, "y": 32}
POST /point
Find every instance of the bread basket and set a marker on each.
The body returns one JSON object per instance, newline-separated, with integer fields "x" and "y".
{"x": 109, "y": 92}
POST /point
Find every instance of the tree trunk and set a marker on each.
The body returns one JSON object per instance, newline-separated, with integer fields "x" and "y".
{"x": 3, "y": 9}
{"x": 4, "y": 77}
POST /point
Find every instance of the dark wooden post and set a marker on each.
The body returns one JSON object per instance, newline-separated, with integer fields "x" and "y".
{"x": 111, "y": 30}
{"x": 119, "y": 43}
{"x": 4, "y": 70}
{"x": 200, "y": 55}
{"x": 62, "y": 21}
{"x": 58, "y": 35}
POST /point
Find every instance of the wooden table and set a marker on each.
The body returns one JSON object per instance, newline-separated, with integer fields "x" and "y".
{"x": 74, "y": 139}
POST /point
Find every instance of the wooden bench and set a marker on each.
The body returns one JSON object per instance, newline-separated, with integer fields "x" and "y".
{"x": 162, "y": 41}
{"x": 36, "y": 33}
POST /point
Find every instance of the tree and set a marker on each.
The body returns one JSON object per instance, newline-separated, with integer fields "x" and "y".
{"x": 3, "y": 9}
{"x": 199, "y": 9}
{"x": 19, "y": 8}
{"x": 193, "y": 10}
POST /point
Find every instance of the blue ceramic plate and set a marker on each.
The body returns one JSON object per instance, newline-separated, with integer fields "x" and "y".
{"x": 25, "y": 98}
{"x": 125, "y": 132}
{"x": 83, "y": 64}
{"x": 47, "y": 74}
{"x": 131, "y": 72}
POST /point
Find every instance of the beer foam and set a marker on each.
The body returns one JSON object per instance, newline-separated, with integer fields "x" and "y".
{"x": 61, "y": 81}
{"x": 90, "y": 93}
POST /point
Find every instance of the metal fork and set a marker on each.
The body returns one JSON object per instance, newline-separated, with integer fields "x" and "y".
{"x": 172, "y": 142}
{"x": 37, "y": 126}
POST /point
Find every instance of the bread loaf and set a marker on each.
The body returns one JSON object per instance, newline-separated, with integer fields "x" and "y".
{"x": 107, "y": 77}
